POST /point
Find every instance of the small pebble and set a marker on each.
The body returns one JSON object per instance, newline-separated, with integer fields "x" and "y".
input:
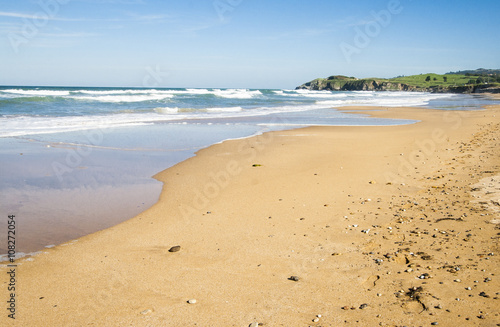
{"x": 294, "y": 278}
{"x": 145, "y": 312}
{"x": 254, "y": 324}
{"x": 316, "y": 319}
{"x": 364, "y": 305}
{"x": 191, "y": 301}
{"x": 434, "y": 323}
{"x": 424, "y": 276}
{"x": 176, "y": 248}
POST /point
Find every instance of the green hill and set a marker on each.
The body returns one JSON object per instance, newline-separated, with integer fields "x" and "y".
{"x": 484, "y": 81}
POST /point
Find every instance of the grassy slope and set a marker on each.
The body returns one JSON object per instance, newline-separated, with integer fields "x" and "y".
{"x": 420, "y": 80}
{"x": 414, "y": 80}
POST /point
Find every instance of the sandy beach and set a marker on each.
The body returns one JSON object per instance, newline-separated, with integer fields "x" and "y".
{"x": 319, "y": 226}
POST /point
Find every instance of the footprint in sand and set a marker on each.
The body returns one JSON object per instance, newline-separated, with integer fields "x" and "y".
{"x": 371, "y": 281}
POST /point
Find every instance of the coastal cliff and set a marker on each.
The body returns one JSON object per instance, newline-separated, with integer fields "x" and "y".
{"x": 449, "y": 83}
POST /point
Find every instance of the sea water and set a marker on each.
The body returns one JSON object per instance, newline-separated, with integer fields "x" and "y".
{"x": 77, "y": 160}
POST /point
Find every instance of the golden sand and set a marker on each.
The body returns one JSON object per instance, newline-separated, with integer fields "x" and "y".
{"x": 381, "y": 225}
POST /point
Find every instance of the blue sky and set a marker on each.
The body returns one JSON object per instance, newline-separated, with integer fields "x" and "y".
{"x": 240, "y": 43}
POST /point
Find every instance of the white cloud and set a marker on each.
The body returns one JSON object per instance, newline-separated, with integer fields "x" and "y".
{"x": 42, "y": 15}
{"x": 16, "y": 15}
{"x": 71, "y": 35}
{"x": 38, "y": 16}
{"x": 122, "y": 2}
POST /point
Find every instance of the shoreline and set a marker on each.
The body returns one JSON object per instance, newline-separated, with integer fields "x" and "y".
{"x": 242, "y": 235}
{"x": 79, "y": 218}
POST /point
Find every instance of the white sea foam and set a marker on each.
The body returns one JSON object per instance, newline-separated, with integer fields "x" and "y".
{"x": 225, "y": 93}
{"x": 109, "y": 92}
{"x": 225, "y": 109}
{"x": 316, "y": 94}
{"x": 175, "y": 110}
{"x": 374, "y": 102}
{"x": 35, "y": 92}
{"x": 135, "y": 91}
{"x": 388, "y": 99}
{"x": 236, "y": 93}
{"x": 29, "y": 125}
{"x": 196, "y": 91}
{"x": 167, "y": 110}
{"x": 292, "y": 108}
{"x": 124, "y": 98}
{"x": 362, "y": 94}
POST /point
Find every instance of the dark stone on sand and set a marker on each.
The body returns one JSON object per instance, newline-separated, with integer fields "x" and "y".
{"x": 364, "y": 305}
{"x": 176, "y": 248}
{"x": 294, "y": 278}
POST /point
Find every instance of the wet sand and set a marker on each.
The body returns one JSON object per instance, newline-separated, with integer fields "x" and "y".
{"x": 382, "y": 225}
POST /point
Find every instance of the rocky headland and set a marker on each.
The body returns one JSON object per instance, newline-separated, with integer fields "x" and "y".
{"x": 435, "y": 84}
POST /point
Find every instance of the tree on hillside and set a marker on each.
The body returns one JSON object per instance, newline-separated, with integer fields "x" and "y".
{"x": 434, "y": 79}
{"x": 428, "y": 78}
{"x": 445, "y": 79}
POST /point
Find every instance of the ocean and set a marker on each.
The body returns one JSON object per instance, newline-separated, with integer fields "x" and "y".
{"x": 79, "y": 159}
{"x": 45, "y": 110}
